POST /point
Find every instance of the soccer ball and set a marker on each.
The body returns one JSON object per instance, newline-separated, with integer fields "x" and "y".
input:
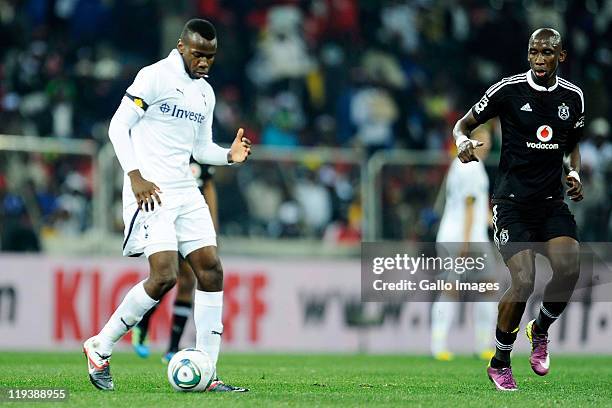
{"x": 190, "y": 370}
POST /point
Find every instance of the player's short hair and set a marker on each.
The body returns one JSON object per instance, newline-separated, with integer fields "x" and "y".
{"x": 201, "y": 27}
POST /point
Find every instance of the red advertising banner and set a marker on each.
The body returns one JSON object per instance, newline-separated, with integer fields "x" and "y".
{"x": 285, "y": 305}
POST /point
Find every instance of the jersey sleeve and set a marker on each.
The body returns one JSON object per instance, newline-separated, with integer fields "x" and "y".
{"x": 205, "y": 151}
{"x": 489, "y": 105}
{"x": 577, "y": 132}
{"x": 123, "y": 120}
{"x": 144, "y": 90}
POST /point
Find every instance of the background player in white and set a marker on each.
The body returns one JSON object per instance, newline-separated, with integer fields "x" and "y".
{"x": 166, "y": 117}
{"x": 465, "y": 220}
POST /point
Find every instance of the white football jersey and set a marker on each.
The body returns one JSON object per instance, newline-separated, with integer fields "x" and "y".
{"x": 462, "y": 181}
{"x": 176, "y": 115}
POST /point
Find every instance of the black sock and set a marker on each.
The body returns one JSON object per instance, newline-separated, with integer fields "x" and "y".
{"x": 182, "y": 311}
{"x": 143, "y": 324}
{"x": 549, "y": 312}
{"x": 504, "y": 342}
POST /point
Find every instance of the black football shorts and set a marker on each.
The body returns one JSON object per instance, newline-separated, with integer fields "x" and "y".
{"x": 518, "y": 226}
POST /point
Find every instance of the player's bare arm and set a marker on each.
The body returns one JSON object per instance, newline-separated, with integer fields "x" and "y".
{"x": 571, "y": 165}
{"x": 461, "y": 132}
{"x": 240, "y": 149}
{"x": 146, "y": 192}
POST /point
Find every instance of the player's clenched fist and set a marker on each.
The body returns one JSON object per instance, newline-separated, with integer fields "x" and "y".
{"x": 146, "y": 192}
{"x": 574, "y": 191}
{"x": 241, "y": 148}
{"x": 466, "y": 151}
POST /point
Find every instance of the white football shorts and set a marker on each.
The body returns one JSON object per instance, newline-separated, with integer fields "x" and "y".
{"x": 182, "y": 223}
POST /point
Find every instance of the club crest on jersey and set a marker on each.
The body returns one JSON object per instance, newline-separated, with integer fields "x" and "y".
{"x": 544, "y": 133}
{"x": 564, "y": 113}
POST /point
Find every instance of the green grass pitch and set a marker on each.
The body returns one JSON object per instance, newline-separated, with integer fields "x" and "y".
{"x": 317, "y": 380}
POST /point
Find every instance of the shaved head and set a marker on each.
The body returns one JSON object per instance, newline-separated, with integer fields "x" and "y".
{"x": 549, "y": 35}
{"x": 544, "y": 53}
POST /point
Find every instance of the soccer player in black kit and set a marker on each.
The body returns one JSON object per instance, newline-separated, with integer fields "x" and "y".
{"x": 542, "y": 120}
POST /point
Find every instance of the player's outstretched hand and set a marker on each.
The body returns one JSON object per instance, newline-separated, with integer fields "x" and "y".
{"x": 146, "y": 192}
{"x": 574, "y": 191}
{"x": 466, "y": 151}
{"x": 241, "y": 147}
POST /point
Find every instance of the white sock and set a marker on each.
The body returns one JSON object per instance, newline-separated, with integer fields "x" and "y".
{"x": 485, "y": 316}
{"x": 442, "y": 314}
{"x": 207, "y": 315}
{"x": 134, "y": 305}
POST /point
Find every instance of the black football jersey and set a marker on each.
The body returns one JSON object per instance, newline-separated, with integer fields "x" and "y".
{"x": 539, "y": 125}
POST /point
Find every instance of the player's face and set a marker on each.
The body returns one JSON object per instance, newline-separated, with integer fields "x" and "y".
{"x": 198, "y": 55}
{"x": 544, "y": 58}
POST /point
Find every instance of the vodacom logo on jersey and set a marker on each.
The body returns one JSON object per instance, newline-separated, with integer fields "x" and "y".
{"x": 544, "y": 134}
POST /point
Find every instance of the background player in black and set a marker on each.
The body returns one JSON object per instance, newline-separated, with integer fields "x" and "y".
{"x": 542, "y": 118}
{"x": 185, "y": 282}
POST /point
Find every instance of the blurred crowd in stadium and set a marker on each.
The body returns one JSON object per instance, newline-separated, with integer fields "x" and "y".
{"x": 359, "y": 74}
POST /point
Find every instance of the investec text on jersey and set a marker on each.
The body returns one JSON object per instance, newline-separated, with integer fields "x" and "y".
{"x": 182, "y": 113}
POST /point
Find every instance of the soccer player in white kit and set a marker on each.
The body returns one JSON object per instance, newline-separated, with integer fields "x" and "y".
{"x": 164, "y": 118}
{"x": 464, "y": 226}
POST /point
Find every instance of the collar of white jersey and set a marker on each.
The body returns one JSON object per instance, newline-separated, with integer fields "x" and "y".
{"x": 178, "y": 64}
{"x": 541, "y": 88}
